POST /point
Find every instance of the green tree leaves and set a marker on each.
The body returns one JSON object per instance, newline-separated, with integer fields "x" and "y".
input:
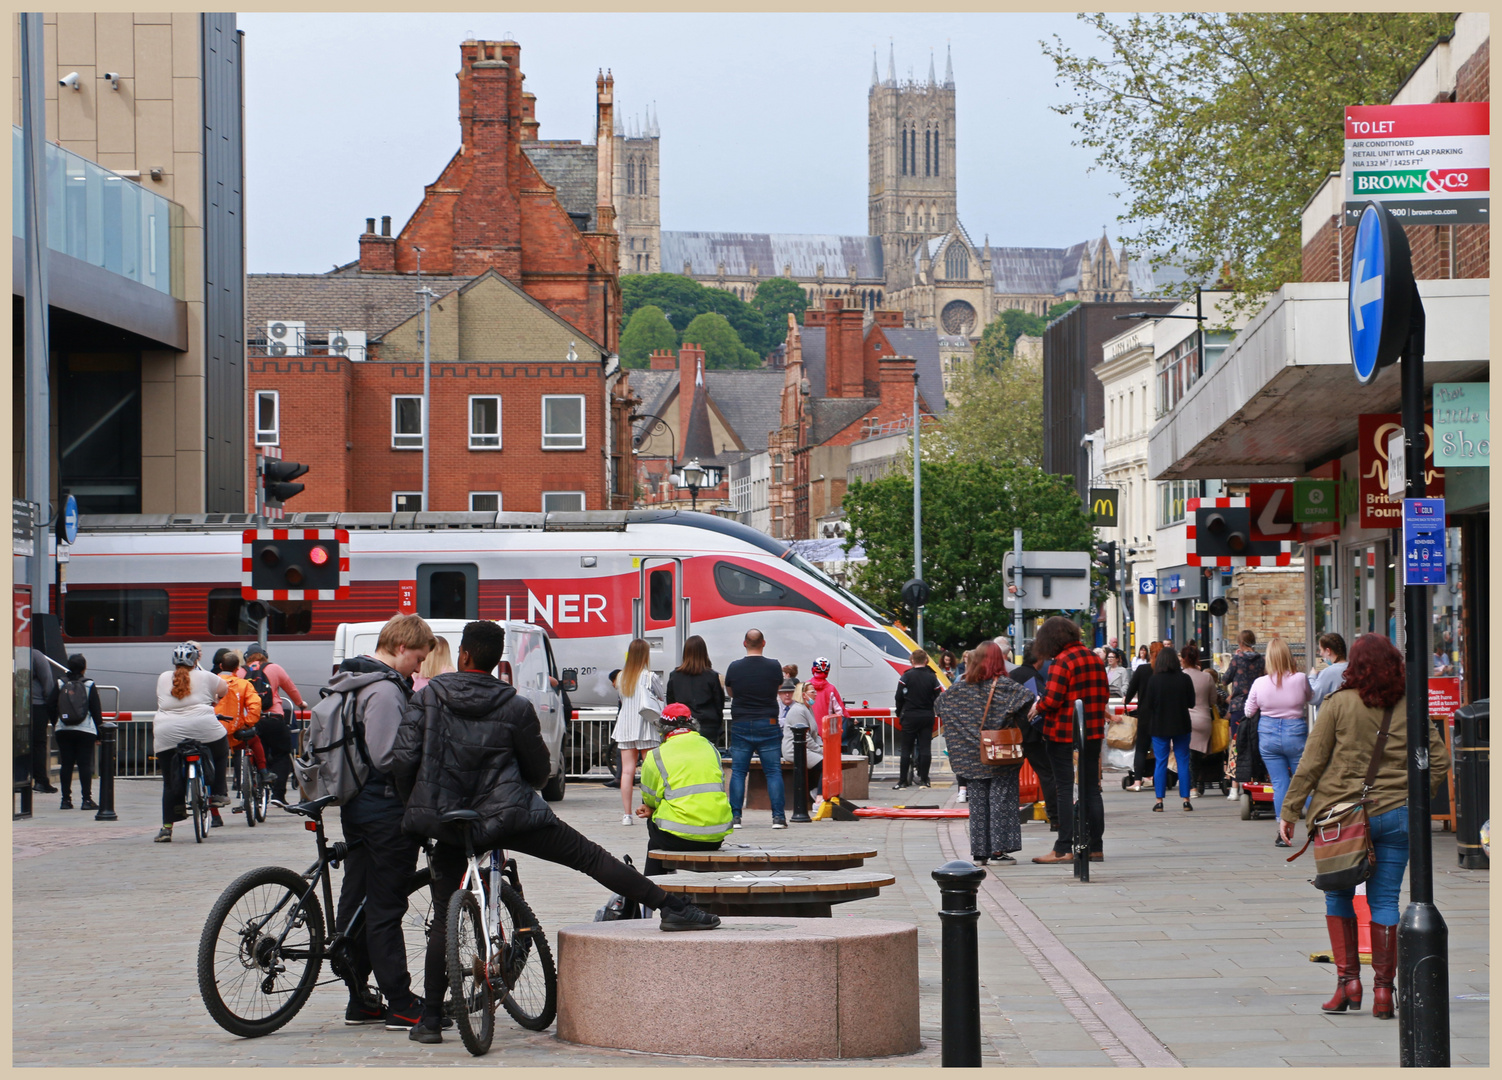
{"x": 682, "y": 300}
{"x": 969, "y": 511}
{"x": 775, "y": 299}
{"x": 996, "y": 416}
{"x": 722, "y": 347}
{"x": 647, "y": 331}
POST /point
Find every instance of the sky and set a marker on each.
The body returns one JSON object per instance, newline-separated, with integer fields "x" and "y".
{"x": 763, "y": 118}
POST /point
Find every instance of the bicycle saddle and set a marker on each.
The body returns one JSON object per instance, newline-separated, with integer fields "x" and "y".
{"x": 310, "y": 809}
{"x": 459, "y": 815}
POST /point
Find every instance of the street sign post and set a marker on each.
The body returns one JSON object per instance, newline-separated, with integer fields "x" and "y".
{"x": 1051, "y": 580}
{"x": 1147, "y": 586}
{"x": 1423, "y": 541}
{"x": 1381, "y": 294}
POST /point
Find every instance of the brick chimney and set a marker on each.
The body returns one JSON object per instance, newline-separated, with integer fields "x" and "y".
{"x": 897, "y": 381}
{"x": 664, "y": 360}
{"x": 844, "y": 367}
{"x": 605, "y": 152}
{"x": 529, "y": 116}
{"x": 377, "y": 253}
{"x": 690, "y": 368}
{"x": 891, "y": 320}
{"x": 486, "y": 212}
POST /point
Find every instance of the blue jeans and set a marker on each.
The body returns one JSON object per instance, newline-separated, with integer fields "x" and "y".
{"x": 1281, "y": 743}
{"x": 763, "y": 739}
{"x": 1180, "y": 745}
{"x": 1390, "y": 836}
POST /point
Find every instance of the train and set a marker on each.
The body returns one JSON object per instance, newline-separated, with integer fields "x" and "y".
{"x": 593, "y": 580}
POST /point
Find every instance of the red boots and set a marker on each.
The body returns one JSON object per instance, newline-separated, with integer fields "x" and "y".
{"x": 1343, "y": 944}
{"x": 1384, "y": 966}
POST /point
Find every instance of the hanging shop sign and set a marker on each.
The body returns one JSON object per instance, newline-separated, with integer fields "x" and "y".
{"x": 1462, "y": 424}
{"x": 1378, "y": 509}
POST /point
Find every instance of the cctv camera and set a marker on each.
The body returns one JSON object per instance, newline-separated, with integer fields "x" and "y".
{"x": 69, "y": 80}
{"x": 113, "y": 78}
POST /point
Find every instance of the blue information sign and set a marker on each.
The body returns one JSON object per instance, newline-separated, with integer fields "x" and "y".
{"x": 70, "y": 520}
{"x": 1380, "y": 297}
{"x": 1147, "y": 586}
{"x": 1423, "y": 541}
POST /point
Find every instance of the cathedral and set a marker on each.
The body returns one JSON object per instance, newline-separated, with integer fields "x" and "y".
{"x": 918, "y": 257}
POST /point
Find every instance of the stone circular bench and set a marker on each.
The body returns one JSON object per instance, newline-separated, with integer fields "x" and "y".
{"x": 759, "y": 988}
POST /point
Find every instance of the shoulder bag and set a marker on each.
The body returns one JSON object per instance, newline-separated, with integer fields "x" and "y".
{"x": 998, "y": 746}
{"x": 1344, "y": 855}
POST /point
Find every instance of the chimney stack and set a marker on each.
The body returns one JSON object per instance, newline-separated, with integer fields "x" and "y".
{"x": 385, "y": 224}
{"x": 690, "y": 363}
{"x": 369, "y": 226}
{"x": 378, "y": 253}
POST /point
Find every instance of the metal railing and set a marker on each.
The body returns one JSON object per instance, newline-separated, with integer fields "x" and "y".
{"x": 135, "y": 757}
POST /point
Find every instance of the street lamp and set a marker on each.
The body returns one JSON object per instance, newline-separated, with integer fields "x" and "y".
{"x": 695, "y": 476}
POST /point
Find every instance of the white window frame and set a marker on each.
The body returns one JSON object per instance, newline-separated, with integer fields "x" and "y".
{"x": 481, "y": 435}
{"x": 421, "y": 435}
{"x": 499, "y": 501}
{"x": 409, "y": 494}
{"x": 273, "y": 435}
{"x": 555, "y": 441}
{"x": 545, "y": 495}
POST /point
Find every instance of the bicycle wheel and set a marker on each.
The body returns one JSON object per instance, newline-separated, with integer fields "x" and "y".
{"x": 248, "y": 788}
{"x": 260, "y": 954}
{"x": 419, "y": 919}
{"x": 263, "y": 801}
{"x": 195, "y": 807}
{"x": 469, "y": 979}
{"x": 525, "y": 963}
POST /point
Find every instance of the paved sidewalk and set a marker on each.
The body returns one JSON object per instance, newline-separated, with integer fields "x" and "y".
{"x": 1189, "y": 946}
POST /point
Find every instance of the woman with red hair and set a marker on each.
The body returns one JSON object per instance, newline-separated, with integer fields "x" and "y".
{"x": 1333, "y": 769}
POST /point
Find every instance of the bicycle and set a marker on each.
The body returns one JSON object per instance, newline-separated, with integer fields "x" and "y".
{"x": 263, "y": 944}
{"x": 192, "y": 757}
{"x": 867, "y": 743}
{"x": 255, "y": 797}
{"x": 495, "y": 944}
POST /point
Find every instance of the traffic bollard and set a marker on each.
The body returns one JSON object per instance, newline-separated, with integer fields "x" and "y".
{"x": 107, "y": 732}
{"x": 800, "y": 774}
{"x": 960, "y": 1005}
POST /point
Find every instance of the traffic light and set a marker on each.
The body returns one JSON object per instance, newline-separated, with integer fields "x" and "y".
{"x": 1222, "y": 531}
{"x": 276, "y": 479}
{"x": 295, "y": 564}
{"x": 1105, "y": 558}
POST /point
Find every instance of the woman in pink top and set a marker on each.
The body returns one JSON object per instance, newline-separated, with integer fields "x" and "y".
{"x": 1279, "y": 699}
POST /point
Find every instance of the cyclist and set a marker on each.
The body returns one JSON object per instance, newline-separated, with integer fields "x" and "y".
{"x": 469, "y": 741}
{"x": 185, "y": 698}
{"x": 239, "y": 710}
{"x": 271, "y": 682}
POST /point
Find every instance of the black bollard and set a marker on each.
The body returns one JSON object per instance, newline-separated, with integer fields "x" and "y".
{"x": 107, "y": 733}
{"x": 800, "y": 773}
{"x": 960, "y": 1008}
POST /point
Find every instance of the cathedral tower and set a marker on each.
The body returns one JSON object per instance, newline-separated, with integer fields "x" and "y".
{"x": 911, "y": 145}
{"x": 636, "y": 194}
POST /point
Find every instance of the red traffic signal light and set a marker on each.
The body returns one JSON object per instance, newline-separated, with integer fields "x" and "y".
{"x": 295, "y": 564}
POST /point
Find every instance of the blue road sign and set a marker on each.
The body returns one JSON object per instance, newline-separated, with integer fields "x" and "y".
{"x": 1147, "y": 586}
{"x": 1379, "y": 300}
{"x": 1423, "y": 541}
{"x": 70, "y": 520}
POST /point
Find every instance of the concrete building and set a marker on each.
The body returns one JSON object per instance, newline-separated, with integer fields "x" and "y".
{"x": 146, "y": 277}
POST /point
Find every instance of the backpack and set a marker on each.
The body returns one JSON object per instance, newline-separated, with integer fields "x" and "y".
{"x": 336, "y": 761}
{"x": 256, "y": 676}
{"x": 73, "y": 701}
{"x": 618, "y": 907}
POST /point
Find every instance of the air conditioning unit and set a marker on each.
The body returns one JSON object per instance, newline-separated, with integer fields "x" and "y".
{"x": 350, "y": 343}
{"x": 285, "y": 337}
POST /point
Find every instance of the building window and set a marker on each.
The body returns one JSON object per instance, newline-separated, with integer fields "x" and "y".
{"x": 1171, "y": 497}
{"x": 956, "y": 262}
{"x": 484, "y": 423}
{"x": 406, "y": 502}
{"x": 642, "y": 177}
{"x": 268, "y": 418}
{"x": 630, "y": 178}
{"x": 485, "y": 502}
{"x": 1178, "y": 370}
{"x": 562, "y": 501}
{"x": 406, "y": 421}
{"x": 563, "y": 422}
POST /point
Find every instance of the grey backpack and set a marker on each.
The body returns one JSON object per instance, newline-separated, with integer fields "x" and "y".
{"x": 336, "y": 761}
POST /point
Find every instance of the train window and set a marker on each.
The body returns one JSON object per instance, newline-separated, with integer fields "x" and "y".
{"x": 106, "y": 613}
{"x": 660, "y": 594}
{"x": 227, "y": 615}
{"x": 448, "y": 591}
{"x": 883, "y": 641}
{"x": 745, "y": 588}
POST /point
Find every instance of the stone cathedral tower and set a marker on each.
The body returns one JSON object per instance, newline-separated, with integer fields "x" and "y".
{"x": 911, "y": 145}
{"x": 636, "y": 194}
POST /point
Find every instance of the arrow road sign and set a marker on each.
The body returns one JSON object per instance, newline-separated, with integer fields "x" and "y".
{"x": 1052, "y": 580}
{"x": 1381, "y": 293}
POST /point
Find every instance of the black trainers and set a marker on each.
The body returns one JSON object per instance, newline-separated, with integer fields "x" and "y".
{"x": 735, "y": 822}
{"x": 404, "y": 1018}
{"x": 67, "y": 803}
{"x": 779, "y": 823}
{"x": 45, "y": 789}
{"x": 427, "y": 1031}
{"x": 367, "y": 1011}
{"x": 88, "y": 804}
{"x": 681, "y": 915}
{"x": 216, "y": 822}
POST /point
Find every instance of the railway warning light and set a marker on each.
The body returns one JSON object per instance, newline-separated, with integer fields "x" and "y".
{"x": 1226, "y": 529}
{"x": 318, "y": 555}
{"x": 292, "y": 563}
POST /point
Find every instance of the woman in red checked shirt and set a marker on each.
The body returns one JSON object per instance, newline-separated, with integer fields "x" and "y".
{"x": 1076, "y": 674}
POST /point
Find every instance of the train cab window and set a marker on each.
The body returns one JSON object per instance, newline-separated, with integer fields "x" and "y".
{"x": 660, "y": 594}
{"x": 107, "y": 613}
{"x": 745, "y": 588}
{"x": 883, "y": 641}
{"x": 448, "y": 591}
{"x": 227, "y": 615}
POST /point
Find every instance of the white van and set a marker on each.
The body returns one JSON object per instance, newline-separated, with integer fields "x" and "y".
{"x": 527, "y": 664}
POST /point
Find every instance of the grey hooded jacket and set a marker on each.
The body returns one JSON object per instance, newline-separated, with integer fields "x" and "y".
{"x": 381, "y": 697}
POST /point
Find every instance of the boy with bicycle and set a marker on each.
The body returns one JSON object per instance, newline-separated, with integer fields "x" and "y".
{"x": 470, "y": 742}
{"x": 239, "y": 710}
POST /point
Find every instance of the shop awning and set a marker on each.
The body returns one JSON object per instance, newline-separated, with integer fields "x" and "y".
{"x": 1284, "y": 399}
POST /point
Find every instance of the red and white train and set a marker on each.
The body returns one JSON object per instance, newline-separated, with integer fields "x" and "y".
{"x": 139, "y": 584}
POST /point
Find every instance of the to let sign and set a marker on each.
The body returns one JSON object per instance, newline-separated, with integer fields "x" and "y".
{"x": 1428, "y": 164}
{"x": 1462, "y": 424}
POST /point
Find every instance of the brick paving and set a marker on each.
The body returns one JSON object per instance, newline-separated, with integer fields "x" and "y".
{"x": 1189, "y": 946}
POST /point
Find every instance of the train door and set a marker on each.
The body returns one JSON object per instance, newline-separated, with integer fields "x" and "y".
{"x": 660, "y": 611}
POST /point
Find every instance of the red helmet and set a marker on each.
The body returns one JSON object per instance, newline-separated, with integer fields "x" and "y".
{"x": 676, "y": 716}
{"x": 821, "y": 666}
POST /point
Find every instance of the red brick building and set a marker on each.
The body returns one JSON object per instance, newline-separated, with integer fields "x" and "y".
{"x": 516, "y": 242}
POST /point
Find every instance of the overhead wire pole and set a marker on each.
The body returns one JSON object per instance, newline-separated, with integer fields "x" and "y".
{"x": 427, "y": 295}
{"x": 917, "y": 508}
{"x": 34, "y": 208}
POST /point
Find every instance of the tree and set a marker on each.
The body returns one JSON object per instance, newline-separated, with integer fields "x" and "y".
{"x": 682, "y": 300}
{"x": 775, "y": 299}
{"x": 969, "y": 511}
{"x": 996, "y": 415}
{"x": 722, "y": 347}
{"x": 1221, "y": 126}
{"x": 647, "y": 331}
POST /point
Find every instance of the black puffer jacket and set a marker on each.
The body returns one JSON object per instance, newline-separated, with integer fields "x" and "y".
{"x": 470, "y": 742}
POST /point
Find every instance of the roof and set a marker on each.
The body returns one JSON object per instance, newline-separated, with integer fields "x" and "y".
{"x": 833, "y": 415}
{"x": 1035, "y": 270}
{"x": 770, "y": 253}
{"x": 923, "y": 347}
{"x": 750, "y": 402}
{"x": 373, "y": 303}
{"x": 571, "y": 168}
{"x": 653, "y": 388}
{"x": 813, "y": 358}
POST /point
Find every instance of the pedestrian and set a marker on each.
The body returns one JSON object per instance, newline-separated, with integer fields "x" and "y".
{"x": 949, "y": 665}
{"x": 1076, "y": 674}
{"x": 271, "y": 681}
{"x": 753, "y": 683}
{"x": 1117, "y": 673}
{"x": 695, "y": 683}
{"x": 239, "y": 711}
{"x": 1136, "y": 685}
{"x": 469, "y": 741}
{"x": 78, "y": 714}
{"x": 43, "y": 695}
{"x": 794, "y": 713}
{"x": 1168, "y": 699}
{"x": 1332, "y": 649}
{"x": 984, "y": 700}
{"x": 1201, "y": 716}
{"x": 1142, "y": 657}
{"x": 636, "y": 723}
{"x": 682, "y": 791}
{"x": 964, "y": 663}
{"x": 185, "y": 699}
{"x": 1034, "y": 749}
{"x": 1245, "y": 667}
{"x": 439, "y": 661}
{"x": 790, "y": 671}
{"x": 382, "y": 858}
{"x": 917, "y": 690}
{"x": 829, "y": 708}
{"x": 1277, "y": 700}
{"x": 1333, "y": 771}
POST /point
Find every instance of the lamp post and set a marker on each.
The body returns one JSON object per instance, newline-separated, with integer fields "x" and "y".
{"x": 427, "y": 295}
{"x": 917, "y": 509}
{"x": 692, "y": 476}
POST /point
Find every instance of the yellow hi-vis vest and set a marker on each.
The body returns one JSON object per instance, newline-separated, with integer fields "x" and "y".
{"x": 683, "y": 782}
